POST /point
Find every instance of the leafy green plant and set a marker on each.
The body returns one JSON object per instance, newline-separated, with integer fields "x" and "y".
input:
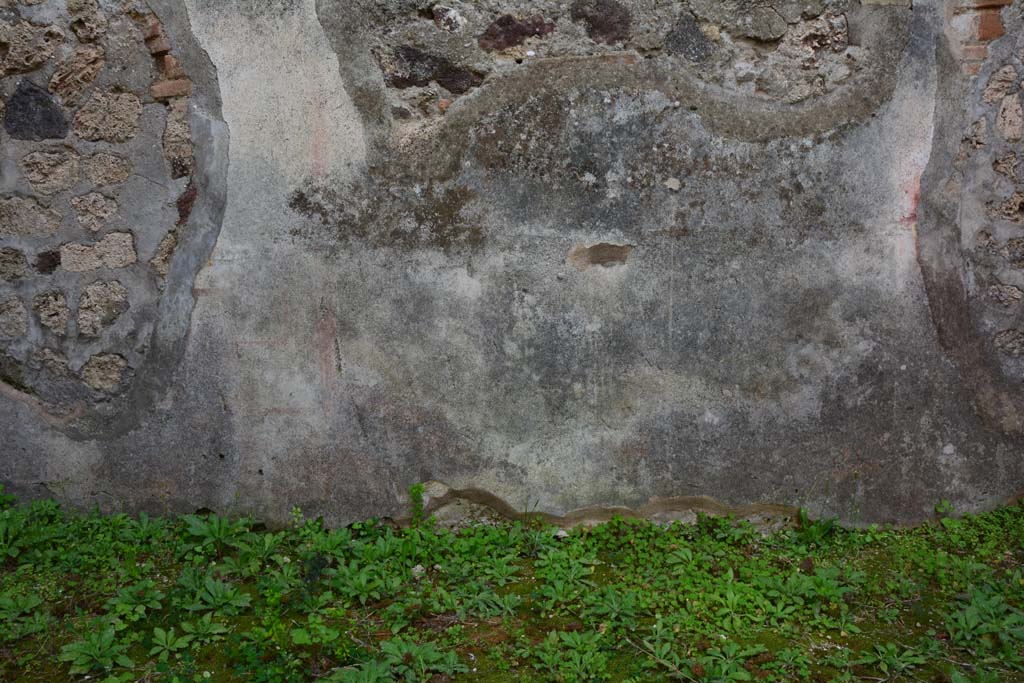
{"x": 986, "y": 622}
{"x": 20, "y": 616}
{"x": 977, "y": 676}
{"x": 166, "y": 644}
{"x": 892, "y": 659}
{"x": 204, "y": 630}
{"x": 222, "y": 598}
{"x": 214, "y": 532}
{"x": 98, "y": 650}
{"x": 417, "y": 512}
{"x": 613, "y": 605}
{"x": 371, "y": 671}
{"x": 255, "y": 551}
{"x": 413, "y": 661}
{"x": 358, "y": 582}
{"x": 132, "y": 602}
{"x": 813, "y": 532}
{"x": 626, "y": 600}
{"x": 791, "y": 661}
{"x": 484, "y": 602}
{"x": 12, "y": 533}
{"x": 726, "y": 663}
{"x": 571, "y": 657}
{"x": 143, "y": 530}
{"x": 6, "y": 500}
{"x": 315, "y": 632}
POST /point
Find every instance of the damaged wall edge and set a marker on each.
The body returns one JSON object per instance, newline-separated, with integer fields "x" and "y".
{"x": 198, "y": 234}
{"x": 455, "y": 507}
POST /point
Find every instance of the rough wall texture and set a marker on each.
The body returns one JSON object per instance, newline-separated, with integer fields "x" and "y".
{"x": 558, "y": 254}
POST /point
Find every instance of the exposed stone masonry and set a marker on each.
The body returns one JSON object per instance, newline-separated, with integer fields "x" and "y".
{"x": 78, "y": 116}
{"x": 975, "y": 24}
{"x": 789, "y": 53}
{"x": 989, "y": 162}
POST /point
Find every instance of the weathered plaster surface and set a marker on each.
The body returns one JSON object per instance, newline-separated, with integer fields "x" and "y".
{"x": 590, "y": 276}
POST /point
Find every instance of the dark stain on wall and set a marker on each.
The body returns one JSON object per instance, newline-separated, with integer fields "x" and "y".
{"x": 607, "y": 21}
{"x": 507, "y": 31}
{"x": 603, "y": 254}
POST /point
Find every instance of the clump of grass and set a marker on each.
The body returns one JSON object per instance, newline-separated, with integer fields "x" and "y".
{"x": 205, "y": 598}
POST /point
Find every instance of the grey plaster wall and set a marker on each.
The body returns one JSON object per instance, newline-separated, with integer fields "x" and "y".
{"x": 564, "y": 254}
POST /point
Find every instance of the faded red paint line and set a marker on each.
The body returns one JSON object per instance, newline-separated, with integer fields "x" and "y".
{"x": 912, "y": 195}
{"x": 326, "y": 332}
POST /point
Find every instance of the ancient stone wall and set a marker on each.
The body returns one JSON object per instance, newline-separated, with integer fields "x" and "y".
{"x": 97, "y": 179}
{"x": 558, "y": 254}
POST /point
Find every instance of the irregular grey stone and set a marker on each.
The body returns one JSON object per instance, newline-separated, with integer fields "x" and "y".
{"x": 607, "y": 21}
{"x": 115, "y": 250}
{"x": 93, "y": 210}
{"x": 161, "y": 261}
{"x": 177, "y": 138}
{"x": 686, "y": 39}
{"x": 999, "y": 84}
{"x": 1010, "y": 120}
{"x": 101, "y": 304}
{"x": 77, "y": 73}
{"x": 1007, "y": 165}
{"x": 88, "y": 21}
{"x": 26, "y": 47}
{"x": 12, "y": 264}
{"x": 105, "y": 372}
{"x": 109, "y": 116}
{"x": 507, "y": 31}
{"x": 1010, "y": 342}
{"x": 48, "y": 261}
{"x": 13, "y": 319}
{"x": 412, "y": 67}
{"x": 107, "y": 168}
{"x": 25, "y": 217}
{"x": 795, "y": 10}
{"x": 52, "y": 310}
{"x": 757, "y": 19}
{"x": 32, "y": 113}
{"x": 51, "y": 361}
{"x": 51, "y": 171}
{"x": 1004, "y": 295}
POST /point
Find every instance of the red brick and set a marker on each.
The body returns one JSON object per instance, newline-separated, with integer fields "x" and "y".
{"x": 165, "y": 90}
{"x": 972, "y": 68}
{"x": 171, "y": 67}
{"x": 990, "y": 25}
{"x": 975, "y": 52}
{"x": 158, "y": 45}
{"x": 153, "y": 29}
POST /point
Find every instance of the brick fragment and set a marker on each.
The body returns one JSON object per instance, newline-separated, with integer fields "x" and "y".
{"x": 158, "y": 45}
{"x": 171, "y": 67}
{"x": 165, "y": 90}
{"x": 153, "y": 29}
{"x": 990, "y": 25}
{"x": 975, "y": 52}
